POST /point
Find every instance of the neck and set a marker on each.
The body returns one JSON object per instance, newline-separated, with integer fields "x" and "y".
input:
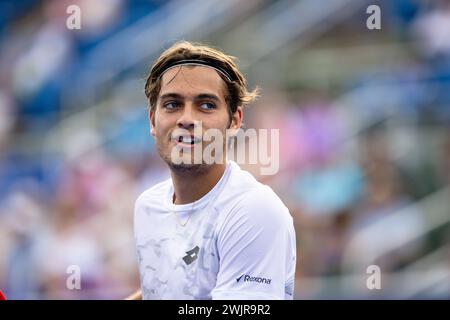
{"x": 191, "y": 186}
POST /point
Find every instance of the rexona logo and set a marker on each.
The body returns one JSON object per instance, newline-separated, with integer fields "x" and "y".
{"x": 247, "y": 278}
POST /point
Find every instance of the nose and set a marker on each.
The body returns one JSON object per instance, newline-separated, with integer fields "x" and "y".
{"x": 187, "y": 118}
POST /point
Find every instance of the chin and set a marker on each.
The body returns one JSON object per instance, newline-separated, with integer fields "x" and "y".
{"x": 189, "y": 168}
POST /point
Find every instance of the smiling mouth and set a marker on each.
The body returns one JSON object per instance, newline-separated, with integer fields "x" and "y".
{"x": 187, "y": 140}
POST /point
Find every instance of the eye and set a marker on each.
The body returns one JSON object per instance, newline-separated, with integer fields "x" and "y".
{"x": 208, "y": 106}
{"x": 171, "y": 105}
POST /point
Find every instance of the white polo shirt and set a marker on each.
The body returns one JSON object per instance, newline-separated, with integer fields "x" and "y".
{"x": 239, "y": 242}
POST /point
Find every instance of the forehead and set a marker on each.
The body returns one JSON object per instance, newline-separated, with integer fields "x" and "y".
{"x": 192, "y": 80}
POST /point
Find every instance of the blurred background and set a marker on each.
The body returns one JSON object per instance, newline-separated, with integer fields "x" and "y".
{"x": 364, "y": 119}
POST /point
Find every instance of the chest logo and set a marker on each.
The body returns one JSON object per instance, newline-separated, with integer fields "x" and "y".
{"x": 191, "y": 255}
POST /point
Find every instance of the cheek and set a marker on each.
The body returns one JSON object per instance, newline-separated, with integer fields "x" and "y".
{"x": 220, "y": 121}
{"x": 161, "y": 124}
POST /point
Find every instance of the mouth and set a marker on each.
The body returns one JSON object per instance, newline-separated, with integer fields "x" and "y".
{"x": 186, "y": 140}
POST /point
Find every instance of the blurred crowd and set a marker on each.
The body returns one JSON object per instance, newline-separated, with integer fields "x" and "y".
{"x": 364, "y": 164}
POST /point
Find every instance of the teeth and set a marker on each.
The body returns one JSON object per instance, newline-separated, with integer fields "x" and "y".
{"x": 187, "y": 139}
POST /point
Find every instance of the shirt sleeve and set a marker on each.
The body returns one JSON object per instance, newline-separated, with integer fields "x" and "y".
{"x": 257, "y": 250}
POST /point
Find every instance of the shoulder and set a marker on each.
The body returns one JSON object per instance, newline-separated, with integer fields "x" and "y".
{"x": 262, "y": 205}
{"x": 146, "y": 208}
{"x": 154, "y": 194}
{"x": 257, "y": 219}
{"x": 253, "y": 203}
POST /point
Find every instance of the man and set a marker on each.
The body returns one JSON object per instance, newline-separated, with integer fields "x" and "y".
{"x": 211, "y": 231}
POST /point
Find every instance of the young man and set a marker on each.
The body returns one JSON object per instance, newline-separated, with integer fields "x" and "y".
{"x": 211, "y": 231}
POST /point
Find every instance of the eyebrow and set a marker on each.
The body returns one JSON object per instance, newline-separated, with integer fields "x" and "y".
{"x": 201, "y": 96}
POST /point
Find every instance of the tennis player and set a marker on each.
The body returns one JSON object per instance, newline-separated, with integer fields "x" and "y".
{"x": 211, "y": 231}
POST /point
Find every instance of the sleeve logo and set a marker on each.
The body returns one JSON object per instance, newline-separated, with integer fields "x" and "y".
{"x": 248, "y": 278}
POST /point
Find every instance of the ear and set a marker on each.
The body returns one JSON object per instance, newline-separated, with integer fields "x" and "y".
{"x": 236, "y": 119}
{"x": 151, "y": 118}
